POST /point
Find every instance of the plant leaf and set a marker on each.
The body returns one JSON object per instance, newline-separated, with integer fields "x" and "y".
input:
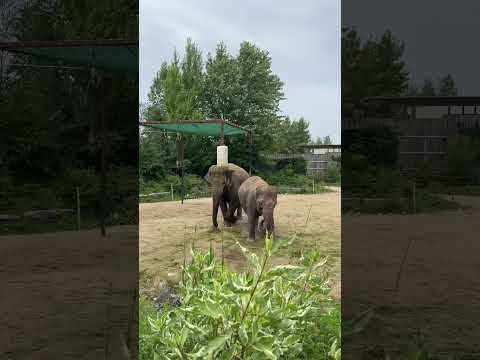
{"x": 217, "y": 343}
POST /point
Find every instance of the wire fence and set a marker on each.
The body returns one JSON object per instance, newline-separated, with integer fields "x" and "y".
{"x": 175, "y": 195}
{"x": 36, "y": 208}
{"x": 408, "y": 195}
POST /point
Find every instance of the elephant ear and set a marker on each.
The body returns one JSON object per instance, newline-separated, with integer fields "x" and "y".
{"x": 208, "y": 174}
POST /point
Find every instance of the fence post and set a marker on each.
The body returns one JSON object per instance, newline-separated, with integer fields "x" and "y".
{"x": 78, "y": 208}
{"x": 313, "y": 185}
{"x": 414, "y": 198}
{"x": 171, "y": 191}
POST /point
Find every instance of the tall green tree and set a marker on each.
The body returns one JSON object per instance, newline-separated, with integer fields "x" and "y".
{"x": 289, "y": 134}
{"x": 446, "y": 86}
{"x": 373, "y": 67}
{"x": 428, "y": 89}
{"x": 244, "y": 88}
{"x": 176, "y": 94}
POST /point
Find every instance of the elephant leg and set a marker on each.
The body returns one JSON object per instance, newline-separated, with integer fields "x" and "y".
{"x": 239, "y": 212}
{"x": 252, "y": 225}
{"x": 225, "y": 209}
{"x": 215, "y": 212}
{"x": 231, "y": 211}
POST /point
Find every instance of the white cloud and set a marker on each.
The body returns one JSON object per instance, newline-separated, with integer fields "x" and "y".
{"x": 303, "y": 39}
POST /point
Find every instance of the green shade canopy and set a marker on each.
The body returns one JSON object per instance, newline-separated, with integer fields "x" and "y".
{"x": 203, "y": 128}
{"x": 112, "y": 55}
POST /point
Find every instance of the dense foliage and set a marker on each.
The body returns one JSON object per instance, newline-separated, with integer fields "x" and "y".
{"x": 371, "y": 68}
{"x": 280, "y": 312}
{"x": 241, "y": 88}
{"x": 50, "y": 119}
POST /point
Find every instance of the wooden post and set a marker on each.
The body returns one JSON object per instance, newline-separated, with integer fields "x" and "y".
{"x": 78, "y": 208}
{"x": 414, "y": 198}
{"x": 171, "y": 191}
{"x": 103, "y": 161}
{"x": 313, "y": 185}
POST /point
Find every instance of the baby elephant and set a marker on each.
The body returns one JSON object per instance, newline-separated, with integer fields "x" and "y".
{"x": 257, "y": 198}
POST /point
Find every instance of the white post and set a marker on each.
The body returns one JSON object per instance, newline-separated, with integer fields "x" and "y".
{"x": 222, "y": 155}
{"x": 171, "y": 191}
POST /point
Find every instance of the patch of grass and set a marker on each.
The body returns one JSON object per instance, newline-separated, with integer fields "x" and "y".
{"x": 469, "y": 190}
{"x": 68, "y": 223}
{"x": 430, "y": 203}
{"x": 426, "y": 202}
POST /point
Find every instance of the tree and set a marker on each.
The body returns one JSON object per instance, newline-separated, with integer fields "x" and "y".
{"x": 245, "y": 90}
{"x": 412, "y": 90}
{"x": 60, "y": 140}
{"x": 371, "y": 68}
{"x": 447, "y": 86}
{"x": 319, "y": 141}
{"x": 176, "y": 94}
{"x": 176, "y": 89}
{"x": 289, "y": 134}
{"x": 428, "y": 89}
{"x": 327, "y": 141}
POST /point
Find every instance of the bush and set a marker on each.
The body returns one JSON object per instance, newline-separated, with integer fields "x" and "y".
{"x": 298, "y": 166}
{"x": 279, "y": 313}
{"x": 463, "y": 161}
{"x": 333, "y": 173}
{"x": 379, "y": 146}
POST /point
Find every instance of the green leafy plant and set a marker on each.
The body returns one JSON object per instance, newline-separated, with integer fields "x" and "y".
{"x": 280, "y": 312}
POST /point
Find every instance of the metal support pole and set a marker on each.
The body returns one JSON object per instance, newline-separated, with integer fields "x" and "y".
{"x": 222, "y": 135}
{"x": 180, "y": 165}
{"x": 1, "y": 72}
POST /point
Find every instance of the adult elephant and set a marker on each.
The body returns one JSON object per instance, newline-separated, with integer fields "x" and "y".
{"x": 225, "y": 181}
{"x": 257, "y": 198}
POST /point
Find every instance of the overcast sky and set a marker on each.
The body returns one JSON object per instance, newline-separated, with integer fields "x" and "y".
{"x": 302, "y": 37}
{"x": 440, "y": 36}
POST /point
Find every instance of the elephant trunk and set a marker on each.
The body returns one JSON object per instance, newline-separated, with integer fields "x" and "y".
{"x": 268, "y": 222}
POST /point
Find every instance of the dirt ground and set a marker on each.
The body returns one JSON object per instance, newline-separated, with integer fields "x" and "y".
{"x": 164, "y": 227}
{"x": 56, "y": 295}
{"x": 438, "y": 292}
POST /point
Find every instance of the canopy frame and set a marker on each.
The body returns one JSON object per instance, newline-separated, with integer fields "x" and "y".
{"x": 16, "y": 47}
{"x": 222, "y": 122}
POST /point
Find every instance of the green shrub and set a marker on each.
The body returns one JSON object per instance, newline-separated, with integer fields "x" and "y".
{"x": 333, "y": 173}
{"x": 282, "y": 312}
{"x": 463, "y": 160}
{"x": 299, "y": 166}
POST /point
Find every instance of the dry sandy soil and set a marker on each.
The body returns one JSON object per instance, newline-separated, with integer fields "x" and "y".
{"x": 438, "y": 291}
{"x": 165, "y": 225}
{"x": 56, "y": 292}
